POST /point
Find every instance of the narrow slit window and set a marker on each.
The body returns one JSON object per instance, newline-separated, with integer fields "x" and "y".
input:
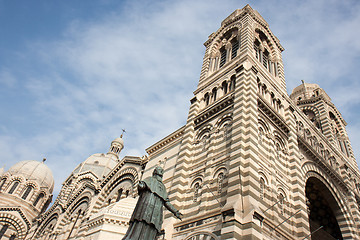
{"x": 234, "y": 48}
{"x": 266, "y": 59}
{"x": 222, "y": 57}
{"x": 196, "y": 192}
{"x": 262, "y": 188}
{"x": 256, "y": 48}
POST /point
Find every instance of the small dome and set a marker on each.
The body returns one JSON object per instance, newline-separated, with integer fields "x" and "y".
{"x": 304, "y": 91}
{"x": 116, "y": 146}
{"x": 118, "y": 140}
{"x": 36, "y": 171}
{"x": 100, "y": 164}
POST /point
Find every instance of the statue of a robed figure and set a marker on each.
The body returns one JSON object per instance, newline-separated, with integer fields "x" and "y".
{"x": 147, "y": 218}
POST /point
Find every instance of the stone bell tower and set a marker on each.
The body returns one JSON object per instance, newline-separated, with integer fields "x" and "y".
{"x": 240, "y": 168}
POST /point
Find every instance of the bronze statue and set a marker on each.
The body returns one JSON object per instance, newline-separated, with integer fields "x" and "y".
{"x": 147, "y": 218}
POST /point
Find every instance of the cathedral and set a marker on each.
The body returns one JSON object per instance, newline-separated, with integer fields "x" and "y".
{"x": 251, "y": 162}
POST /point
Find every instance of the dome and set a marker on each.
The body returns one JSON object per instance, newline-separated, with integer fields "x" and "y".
{"x": 100, "y": 164}
{"x": 35, "y": 171}
{"x": 304, "y": 91}
{"x": 118, "y": 140}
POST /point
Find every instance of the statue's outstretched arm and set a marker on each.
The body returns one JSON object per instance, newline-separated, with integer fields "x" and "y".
{"x": 172, "y": 209}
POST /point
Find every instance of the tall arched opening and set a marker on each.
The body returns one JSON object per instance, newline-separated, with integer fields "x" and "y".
{"x": 323, "y": 211}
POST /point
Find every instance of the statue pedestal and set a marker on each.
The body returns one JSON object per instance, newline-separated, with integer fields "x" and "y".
{"x": 112, "y": 221}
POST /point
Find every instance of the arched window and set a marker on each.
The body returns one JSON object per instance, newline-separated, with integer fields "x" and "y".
{"x": 281, "y": 199}
{"x": 262, "y": 188}
{"x": 207, "y": 99}
{"x": 205, "y": 142}
{"x": 39, "y": 197}
{"x": 234, "y": 48}
{"x": 214, "y": 92}
{"x": 220, "y": 180}
{"x": 27, "y": 192}
{"x": 224, "y": 86}
{"x": 196, "y": 191}
{"x": 232, "y": 83}
{"x": 127, "y": 193}
{"x": 261, "y": 134}
{"x": 227, "y": 131}
{"x": 222, "y": 56}
{"x": 14, "y": 186}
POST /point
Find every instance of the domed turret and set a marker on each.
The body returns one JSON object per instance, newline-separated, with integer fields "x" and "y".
{"x": 101, "y": 164}
{"x": 307, "y": 91}
{"x": 116, "y": 146}
{"x": 304, "y": 91}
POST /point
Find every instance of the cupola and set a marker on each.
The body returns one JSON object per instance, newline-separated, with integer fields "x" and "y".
{"x": 116, "y": 146}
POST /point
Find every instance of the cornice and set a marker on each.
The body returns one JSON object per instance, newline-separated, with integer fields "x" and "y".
{"x": 165, "y": 141}
{"x": 273, "y": 115}
{"x": 213, "y": 110}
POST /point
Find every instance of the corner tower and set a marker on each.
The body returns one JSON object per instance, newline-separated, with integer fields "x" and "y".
{"x": 317, "y": 105}
{"x": 239, "y": 168}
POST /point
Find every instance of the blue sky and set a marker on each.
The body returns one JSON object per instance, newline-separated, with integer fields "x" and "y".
{"x": 74, "y": 73}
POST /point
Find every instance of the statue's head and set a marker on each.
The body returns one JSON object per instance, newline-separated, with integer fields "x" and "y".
{"x": 158, "y": 171}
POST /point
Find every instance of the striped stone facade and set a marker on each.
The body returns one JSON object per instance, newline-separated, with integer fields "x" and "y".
{"x": 251, "y": 161}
